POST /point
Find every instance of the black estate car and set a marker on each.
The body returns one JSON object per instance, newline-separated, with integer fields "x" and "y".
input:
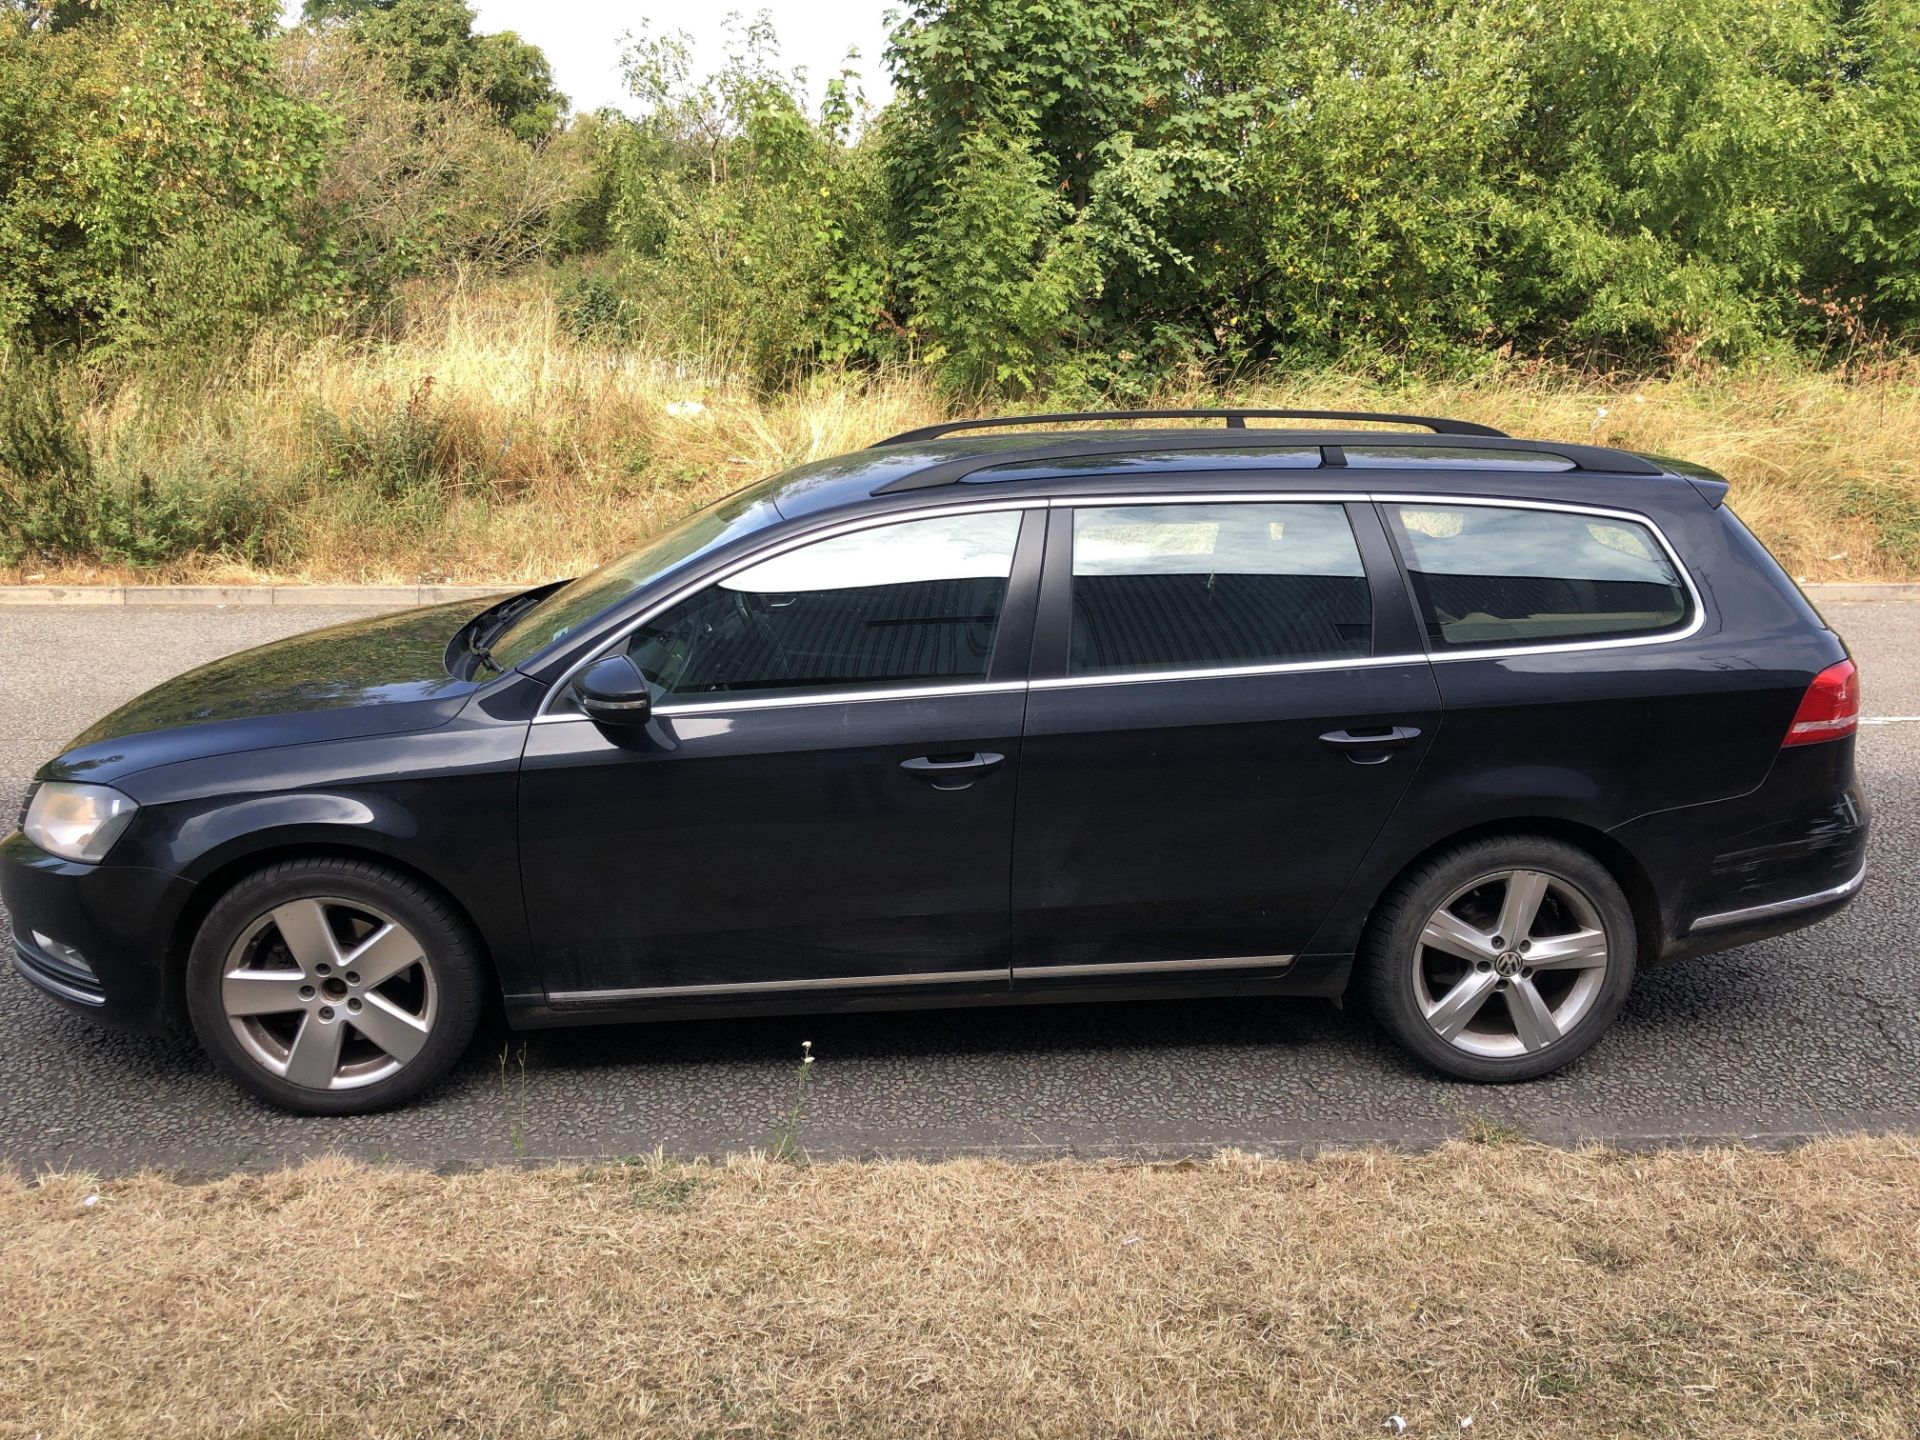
{"x": 1468, "y": 726}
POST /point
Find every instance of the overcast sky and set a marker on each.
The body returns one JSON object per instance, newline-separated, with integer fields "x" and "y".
{"x": 582, "y": 38}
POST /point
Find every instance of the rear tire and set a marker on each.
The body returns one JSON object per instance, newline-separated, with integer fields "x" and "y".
{"x": 333, "y": 986}
{"x": 1444, "y": 979}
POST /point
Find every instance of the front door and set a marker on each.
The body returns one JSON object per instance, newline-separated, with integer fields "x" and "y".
{"x": 1226, "y": 709}
{"x": 824, "y": 795}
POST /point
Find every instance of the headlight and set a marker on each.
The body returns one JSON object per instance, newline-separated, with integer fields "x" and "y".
{"x": 77, "y": 822}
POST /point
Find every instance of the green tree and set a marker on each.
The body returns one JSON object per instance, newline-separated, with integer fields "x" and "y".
{"x": 431, "y": 49}
{"x": 124, "y": 139}
{"x": 747, "y": 225}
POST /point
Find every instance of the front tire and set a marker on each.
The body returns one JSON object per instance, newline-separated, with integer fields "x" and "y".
{"x": 1501, "y": 959}
{"x": 333, "y": 986}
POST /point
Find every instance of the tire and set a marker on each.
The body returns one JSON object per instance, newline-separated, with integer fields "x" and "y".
{"x": 1443, "y": 980}
{"x": 333, "y": 986}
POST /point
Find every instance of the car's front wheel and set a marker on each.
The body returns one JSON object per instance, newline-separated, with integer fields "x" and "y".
{"x": 333, "y": 986}
{"x": 1501, "y": 959}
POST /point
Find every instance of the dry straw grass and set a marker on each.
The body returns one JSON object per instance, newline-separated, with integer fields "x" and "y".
{"x": 546, "y": 458}
{"x": 1716, "y": 1293}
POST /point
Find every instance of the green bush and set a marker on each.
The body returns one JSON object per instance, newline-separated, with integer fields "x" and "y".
{"x": 595, "y": 310}
{"x": 60, "y": 501}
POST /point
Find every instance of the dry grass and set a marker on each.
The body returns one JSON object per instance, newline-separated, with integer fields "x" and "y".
{"x": 1717, "y": 1293}
{"x": 545, "y": 457}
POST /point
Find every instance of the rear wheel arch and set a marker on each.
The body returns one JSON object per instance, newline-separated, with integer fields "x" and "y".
{"x": 1620, "y": 862}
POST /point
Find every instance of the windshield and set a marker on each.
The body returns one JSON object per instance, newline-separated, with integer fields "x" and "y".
{"x": 574, "y": 604}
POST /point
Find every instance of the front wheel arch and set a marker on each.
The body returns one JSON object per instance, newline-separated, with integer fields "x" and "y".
{"x": 207, "y": 891}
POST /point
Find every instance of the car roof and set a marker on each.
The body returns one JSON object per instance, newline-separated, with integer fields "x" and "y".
{"x": 960, "y": 467}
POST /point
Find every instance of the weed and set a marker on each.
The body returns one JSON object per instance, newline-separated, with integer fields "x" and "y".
{"x": 1485, "y": 1130}
{"x": 513, "y": 1097}
{"x": 785, "y": 1145}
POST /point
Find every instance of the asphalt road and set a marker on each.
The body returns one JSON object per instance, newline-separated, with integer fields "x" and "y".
{"x": 1816, "y": 1032}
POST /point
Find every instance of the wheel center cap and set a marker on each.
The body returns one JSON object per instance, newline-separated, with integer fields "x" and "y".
{"x": 1507, "y": 962}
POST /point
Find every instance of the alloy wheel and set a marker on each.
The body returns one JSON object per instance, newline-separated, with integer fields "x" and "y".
{"x": 1510, "y": 963}
{"x": 329, "y": 994}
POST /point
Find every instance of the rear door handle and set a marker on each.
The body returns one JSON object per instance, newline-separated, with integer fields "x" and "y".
{"x": 1373, "y": 748}
{"x": 952, "y": 772}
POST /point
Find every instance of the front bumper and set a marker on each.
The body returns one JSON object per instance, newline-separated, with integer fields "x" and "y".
{"x": 117, "y": 919}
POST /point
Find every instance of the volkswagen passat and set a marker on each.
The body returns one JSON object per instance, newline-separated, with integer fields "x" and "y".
{"x": 1472, "y": 726}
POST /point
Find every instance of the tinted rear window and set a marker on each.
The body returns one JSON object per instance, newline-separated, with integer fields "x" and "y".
{"x": 1489, "y": 575}
{"x": 1195, "y": 587}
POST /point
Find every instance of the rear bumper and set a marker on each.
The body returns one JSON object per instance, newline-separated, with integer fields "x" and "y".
{"x": 1833, "y": 896}
{"x": 1788, "y": 855}
{"x": 93, "y": 937}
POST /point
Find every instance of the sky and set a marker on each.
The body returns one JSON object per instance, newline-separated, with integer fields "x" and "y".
{"x": 582, "y": 38}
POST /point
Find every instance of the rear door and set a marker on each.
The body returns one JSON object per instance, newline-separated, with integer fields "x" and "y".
{"x": 1229, "y": 700}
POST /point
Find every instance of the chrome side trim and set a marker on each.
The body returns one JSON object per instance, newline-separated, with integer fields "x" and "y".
{"x": 774, "y": 987}
{"x": 1152, "y": 967}
{"x": 1634, "y": 517}
{"x": 1781, "y": 907}
{"x": 43, "y": 980}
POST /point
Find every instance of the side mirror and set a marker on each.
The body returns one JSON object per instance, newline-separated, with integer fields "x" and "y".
{"x": 613, "y": 692}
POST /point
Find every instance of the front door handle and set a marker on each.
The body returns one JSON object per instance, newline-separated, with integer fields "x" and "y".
{"x": 1374, "y": 748}
{"x": 952, "y": 772}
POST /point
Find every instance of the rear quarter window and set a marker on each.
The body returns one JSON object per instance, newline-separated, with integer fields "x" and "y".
{"x": 1494, "y": 575}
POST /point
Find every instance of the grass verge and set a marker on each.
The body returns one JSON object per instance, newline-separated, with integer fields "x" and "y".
{"x": 1535, "y": 1291}
{"x": 479, "y": 444}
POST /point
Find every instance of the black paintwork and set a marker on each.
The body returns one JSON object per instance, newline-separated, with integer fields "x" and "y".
{"x": 962, "y": 849}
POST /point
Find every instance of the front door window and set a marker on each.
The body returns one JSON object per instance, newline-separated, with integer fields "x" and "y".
{"x": 909, "y": 604}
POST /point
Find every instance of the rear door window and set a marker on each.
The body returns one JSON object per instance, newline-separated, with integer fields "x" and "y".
{"x": 1219, "y": 586}
{"x": 1493, "y": 575}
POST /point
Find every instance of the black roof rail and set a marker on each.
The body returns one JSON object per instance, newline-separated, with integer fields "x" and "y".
{"x": 1331, "y": 444}
{"x": 1236, "y": 420}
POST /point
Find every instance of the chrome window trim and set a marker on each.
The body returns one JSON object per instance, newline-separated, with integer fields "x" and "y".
{"x": 1782, "y": 907}
{"x": 814, "y": 697}
{"x": 1697, "y": 610}
{"x": 779, "y": 547}
{"x": 1223, "y": 672}
{"x": 774, "y": 987}
{"x": 989, "y": 502}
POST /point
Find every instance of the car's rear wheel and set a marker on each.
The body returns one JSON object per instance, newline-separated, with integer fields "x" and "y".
{"x": 1501, "y": 959}
{"x": 333, "y": 986}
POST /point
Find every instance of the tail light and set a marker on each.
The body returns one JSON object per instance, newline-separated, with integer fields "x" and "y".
{"x": 1830, "y": 709}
